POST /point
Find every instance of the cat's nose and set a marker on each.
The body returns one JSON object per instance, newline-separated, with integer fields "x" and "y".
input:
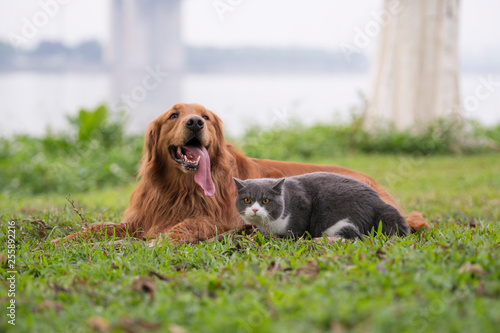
{"x": 255, "y": 210}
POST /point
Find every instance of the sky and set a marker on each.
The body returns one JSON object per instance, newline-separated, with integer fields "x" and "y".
{"x": 267, "y": 23}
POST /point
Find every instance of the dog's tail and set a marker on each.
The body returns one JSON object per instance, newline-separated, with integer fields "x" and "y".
{"x": 393, "y": 223}
{"x": 416, "y": 221}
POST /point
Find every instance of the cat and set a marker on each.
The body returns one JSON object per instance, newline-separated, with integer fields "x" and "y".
{"x": 319, "y": 203}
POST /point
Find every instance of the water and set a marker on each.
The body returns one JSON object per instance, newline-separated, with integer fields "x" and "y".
{"x": 32, "y": 102}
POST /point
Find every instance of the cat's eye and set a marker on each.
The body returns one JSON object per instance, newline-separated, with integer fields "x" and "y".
{"x": 247, "y": 201}
{"x": 265, "y": 201}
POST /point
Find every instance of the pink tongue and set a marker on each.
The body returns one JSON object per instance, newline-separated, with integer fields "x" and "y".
{"x": 202, "y": 177}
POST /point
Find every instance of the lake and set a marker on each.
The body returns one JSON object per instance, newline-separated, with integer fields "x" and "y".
{"x": 32, "y": 102}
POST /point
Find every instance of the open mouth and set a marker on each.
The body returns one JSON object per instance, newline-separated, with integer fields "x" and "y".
{"x": 194, "y": 157}
{"x": 188, "y": 156}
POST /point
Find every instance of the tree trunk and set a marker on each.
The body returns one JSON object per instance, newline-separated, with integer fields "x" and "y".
{"x": 415, "y": 77}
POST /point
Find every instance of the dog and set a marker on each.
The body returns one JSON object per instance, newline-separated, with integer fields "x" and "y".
{"x": 185, "y": 188}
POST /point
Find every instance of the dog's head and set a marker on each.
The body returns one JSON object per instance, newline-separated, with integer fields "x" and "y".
{"x": 186, "y": 138}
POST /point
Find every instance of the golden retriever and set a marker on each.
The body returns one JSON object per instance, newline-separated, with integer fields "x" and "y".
{"x": 185, "y": 189}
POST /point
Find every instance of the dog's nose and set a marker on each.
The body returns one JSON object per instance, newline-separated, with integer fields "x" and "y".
{"x": 195, "y": 123}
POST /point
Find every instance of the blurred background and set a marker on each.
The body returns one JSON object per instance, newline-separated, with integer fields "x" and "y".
{"x": 245, "y": 60}
{"x": 291, "y": 79}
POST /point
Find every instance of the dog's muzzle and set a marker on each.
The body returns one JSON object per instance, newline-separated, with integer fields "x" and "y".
{"x": 195, "y": 124}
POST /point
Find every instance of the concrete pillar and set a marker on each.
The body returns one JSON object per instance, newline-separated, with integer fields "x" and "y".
{"x": 147, "y": 33}
{"x": 146, "y": 39}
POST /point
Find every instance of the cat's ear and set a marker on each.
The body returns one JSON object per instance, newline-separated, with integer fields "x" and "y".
{"x": 239, "y": 183}
{"x": 278, "y": 187}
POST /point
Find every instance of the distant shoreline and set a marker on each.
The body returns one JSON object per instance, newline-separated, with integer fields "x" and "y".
{"x": 89, "y": 57}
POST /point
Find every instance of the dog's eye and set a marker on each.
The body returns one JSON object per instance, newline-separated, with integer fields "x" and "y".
{"x": 173, "y": 115}
{"x": 247, "y": 201}
{"x": 265, "y": 201}
{"x": 205, "y": 117}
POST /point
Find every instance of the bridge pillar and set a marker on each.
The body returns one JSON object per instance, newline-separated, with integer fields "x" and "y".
{"x": 146, "y": 58}
{"x": 147, "y": 33}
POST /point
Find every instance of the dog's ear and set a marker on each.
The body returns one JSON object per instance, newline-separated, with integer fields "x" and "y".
{"x": 151, "y": 141}
{"x": 218, "y": 126}
{"x": 239, "y": 183}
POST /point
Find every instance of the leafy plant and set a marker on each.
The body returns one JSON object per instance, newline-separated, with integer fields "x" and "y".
{"x": 98, "y": 125}
{"x": 299, "y": 142}
{"x": 95, "y": 154}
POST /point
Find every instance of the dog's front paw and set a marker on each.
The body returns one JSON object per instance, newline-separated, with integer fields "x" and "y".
{"x": 56, "y": 241}
{"x": 170, "y": 238}
{"x": 156, "y": 242}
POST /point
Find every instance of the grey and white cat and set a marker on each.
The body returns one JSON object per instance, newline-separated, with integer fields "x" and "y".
{"x": 318, "y": 203}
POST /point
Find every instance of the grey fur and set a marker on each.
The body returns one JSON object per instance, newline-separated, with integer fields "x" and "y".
{"x": 315, "y": 203}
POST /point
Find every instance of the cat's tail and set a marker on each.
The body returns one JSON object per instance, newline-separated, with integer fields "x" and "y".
{"x": 393, "y": 223}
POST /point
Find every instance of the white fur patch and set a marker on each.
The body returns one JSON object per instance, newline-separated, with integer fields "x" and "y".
{"x": 334, "y": 229}
{"x": 279, "y": 226}
{"x": 261, "y": 219}
{"x": 261, "y": 211}
{"x": 255, "y": 218}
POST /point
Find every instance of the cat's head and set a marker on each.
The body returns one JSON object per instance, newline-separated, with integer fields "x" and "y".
{"x": 260, "y": 201}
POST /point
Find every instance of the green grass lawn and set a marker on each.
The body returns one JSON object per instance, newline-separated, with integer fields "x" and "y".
{"x": 446, "y": 279}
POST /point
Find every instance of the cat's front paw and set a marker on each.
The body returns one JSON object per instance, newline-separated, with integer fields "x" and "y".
{"x": 330, "y": 240}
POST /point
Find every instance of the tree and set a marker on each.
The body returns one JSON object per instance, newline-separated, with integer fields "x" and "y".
{"x": 50, "y": 48}
{"x": 6, "y": 55}
{"x": 415, "y": 77}
{"x": 89, "y": 51}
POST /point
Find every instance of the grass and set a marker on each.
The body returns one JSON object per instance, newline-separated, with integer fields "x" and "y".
{"x": 446, "y": 279}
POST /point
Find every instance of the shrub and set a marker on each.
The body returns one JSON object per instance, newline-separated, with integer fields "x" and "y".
{"x": 96, "y": 153}
{"x": 299, "y": 142}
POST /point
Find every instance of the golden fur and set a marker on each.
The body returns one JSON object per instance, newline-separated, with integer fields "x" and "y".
{"x": 168, "y": 202}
